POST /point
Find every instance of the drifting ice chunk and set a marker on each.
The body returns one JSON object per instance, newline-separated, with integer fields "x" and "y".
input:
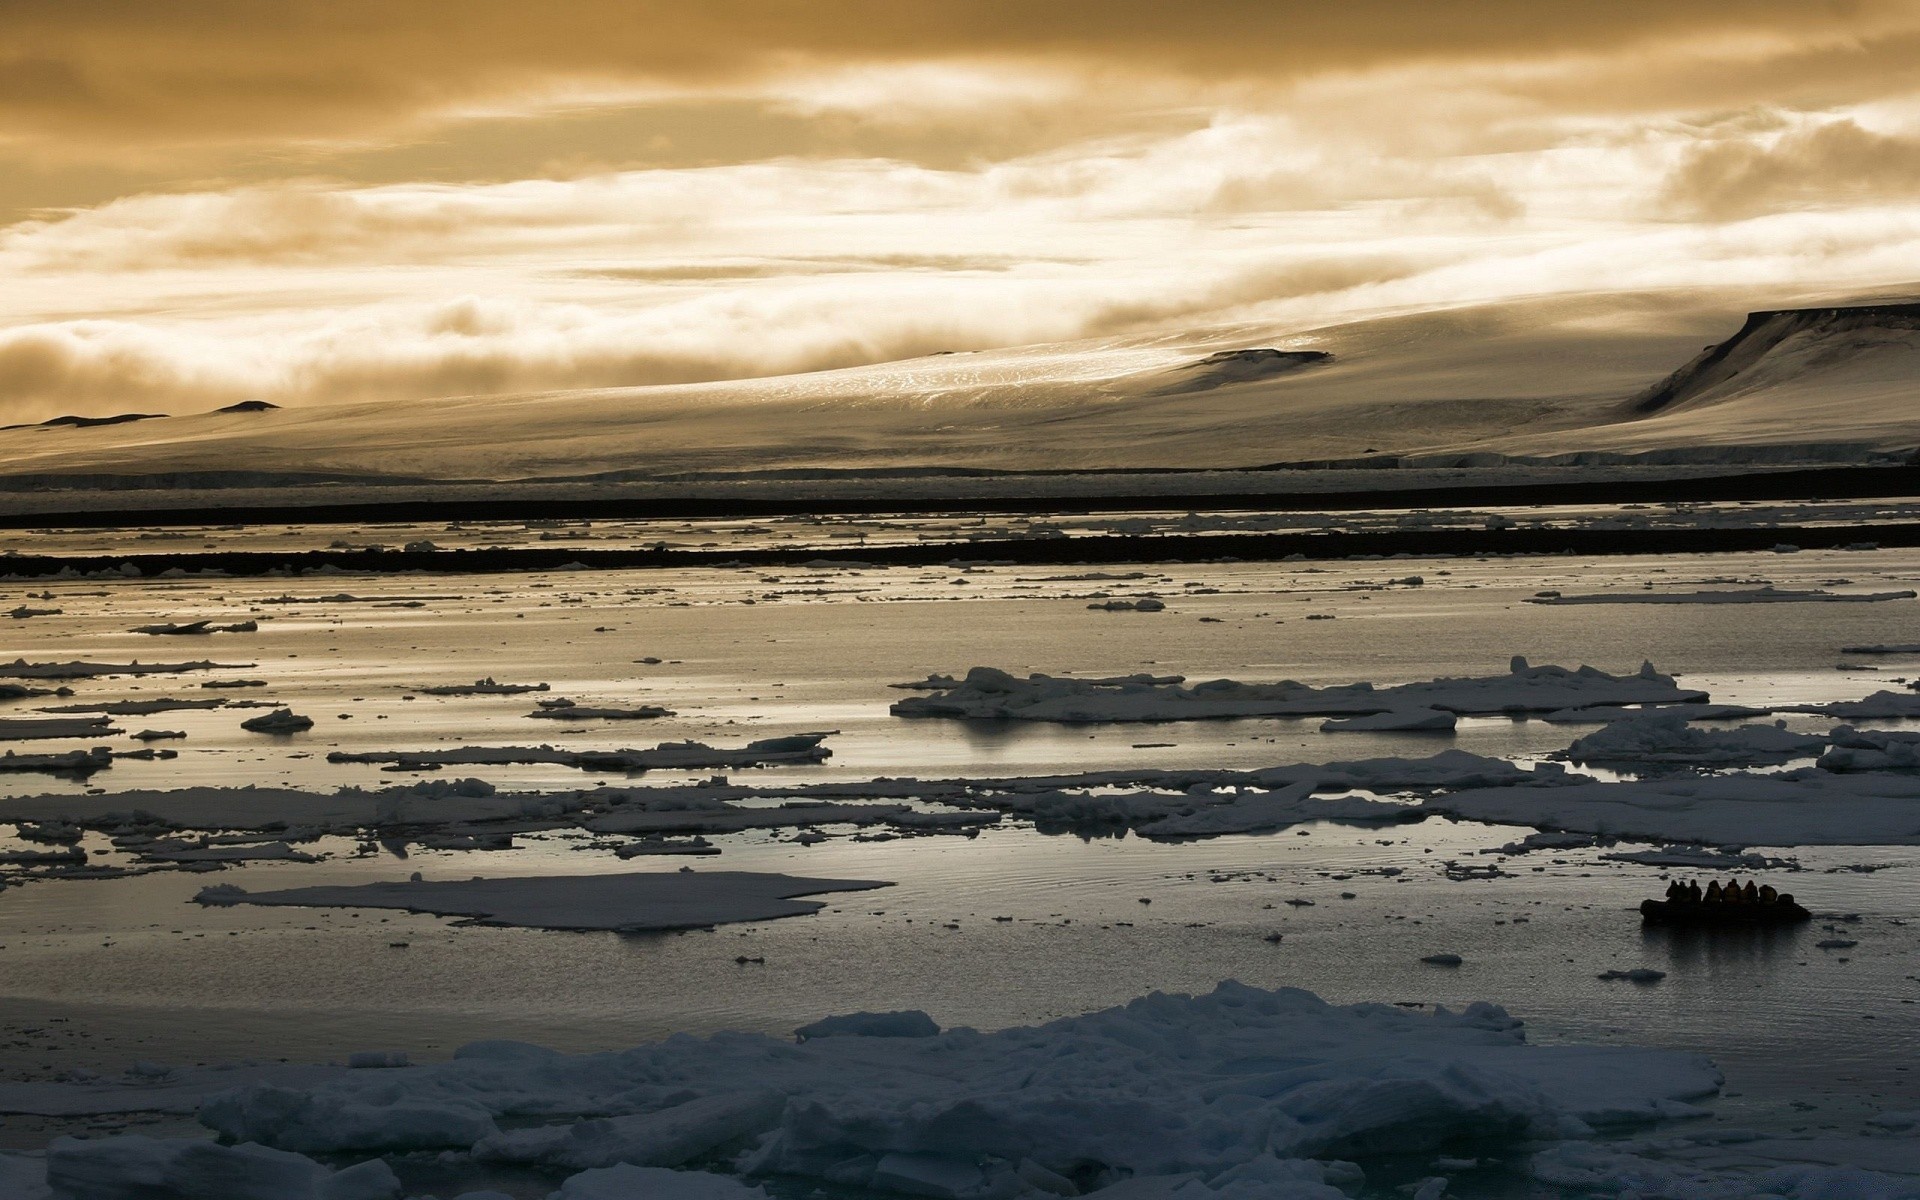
{"x": 283, "y": 720}
{"x": 193, "y": 628}
{"x": 482, "y": 687}
{"x": 626, "y": 902}
{"x": 1765, "y": 595}
{"x": 580, "y": 712}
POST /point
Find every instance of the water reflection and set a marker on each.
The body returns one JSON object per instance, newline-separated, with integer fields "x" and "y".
{"x": 1737, "y": 947}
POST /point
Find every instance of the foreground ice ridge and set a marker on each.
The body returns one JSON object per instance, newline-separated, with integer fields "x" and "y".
{"x": 1237, "y": 1080}
{"x": 992, "y": 694}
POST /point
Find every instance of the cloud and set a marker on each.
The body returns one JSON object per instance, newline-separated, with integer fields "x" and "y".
{"x": 1829, "y": 164}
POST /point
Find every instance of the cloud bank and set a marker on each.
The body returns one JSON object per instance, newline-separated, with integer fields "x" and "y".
{"x": 347, "y": 200}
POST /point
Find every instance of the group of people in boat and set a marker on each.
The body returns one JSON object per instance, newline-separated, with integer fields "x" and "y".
{"x": 1731, "y": 892}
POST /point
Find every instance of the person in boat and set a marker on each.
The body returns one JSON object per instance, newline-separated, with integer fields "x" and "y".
{"x": 1676, "y": 891}
{"x": 1732, "y": 894}
{"x": 1693, "y": 891}
{"x": 1713, "y": 891}
{"x": 1785, "y": 898}
{"x": 1768, "y": 894}
{"x": 1750, "y": 893}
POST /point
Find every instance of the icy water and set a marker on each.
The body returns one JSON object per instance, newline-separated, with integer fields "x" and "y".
{"x": 1009, "y": 927}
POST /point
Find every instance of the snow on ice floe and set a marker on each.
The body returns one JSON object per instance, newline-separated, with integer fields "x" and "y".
{"x": 988, "y": 693}
{"x": 1807, "y": 807}
{"x": 1398, "y": 720}
{"x": 624, "y": 902}
{"x": 1667, "y": 739}
{"x": 1871, "y": 750}
{"x": 1235, "y": 1084}
{"x": 1764, "y": 595}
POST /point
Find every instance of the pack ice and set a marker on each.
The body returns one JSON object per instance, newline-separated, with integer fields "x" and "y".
{"x": 1237, "y": 1085}
{"x": 992, "y": 694}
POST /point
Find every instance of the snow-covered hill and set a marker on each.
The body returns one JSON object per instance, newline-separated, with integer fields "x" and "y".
{"x": 1542, "y": 378}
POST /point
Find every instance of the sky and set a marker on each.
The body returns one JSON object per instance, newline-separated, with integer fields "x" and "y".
{"x": 322, "y": 201}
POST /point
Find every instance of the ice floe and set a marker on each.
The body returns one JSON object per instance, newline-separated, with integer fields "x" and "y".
{"x": 196, "y": 628}
{"x": 282, "y": 720}
{"x": 1803, "y": 807}
{"x": 483, "y": 687}
{"x": 1601, "y": 714}
{"x": 1764, "y": 595}
{"x": 1398, "y": 720}
{"x": 20, "y": 668}
{"x": 625, "y": 902}
{"x": 794, "y": 748}
{"x": 136, "y": 708}
{"x": 34, "y": 728}
{"x": 1879, "y": 706}
{"x": 567, "y": 710}
{"x": 991, "y": 694}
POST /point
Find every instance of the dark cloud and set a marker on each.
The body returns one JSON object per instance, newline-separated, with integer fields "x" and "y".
{"x": 1836, "y": 163}
{"x": 138, "y": 69}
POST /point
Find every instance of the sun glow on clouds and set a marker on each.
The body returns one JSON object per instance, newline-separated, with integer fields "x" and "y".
{"x": 800, "y": 213}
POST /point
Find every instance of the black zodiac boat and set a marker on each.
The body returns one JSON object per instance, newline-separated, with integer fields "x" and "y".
{"x": 1701, "y": 913}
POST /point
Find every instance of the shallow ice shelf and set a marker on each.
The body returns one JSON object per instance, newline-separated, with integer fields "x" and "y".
{"x": 683, "y": 899}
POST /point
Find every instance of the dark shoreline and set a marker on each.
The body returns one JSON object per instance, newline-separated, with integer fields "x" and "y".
{"x": 1106, "y": 549}
{"x": 1815, "y": 483}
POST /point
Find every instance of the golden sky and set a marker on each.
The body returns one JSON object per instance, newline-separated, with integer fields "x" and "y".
{"x": 321, "y": 200}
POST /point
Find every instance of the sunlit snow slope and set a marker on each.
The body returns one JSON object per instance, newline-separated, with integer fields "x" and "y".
{"x": 1543, "y": 377}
